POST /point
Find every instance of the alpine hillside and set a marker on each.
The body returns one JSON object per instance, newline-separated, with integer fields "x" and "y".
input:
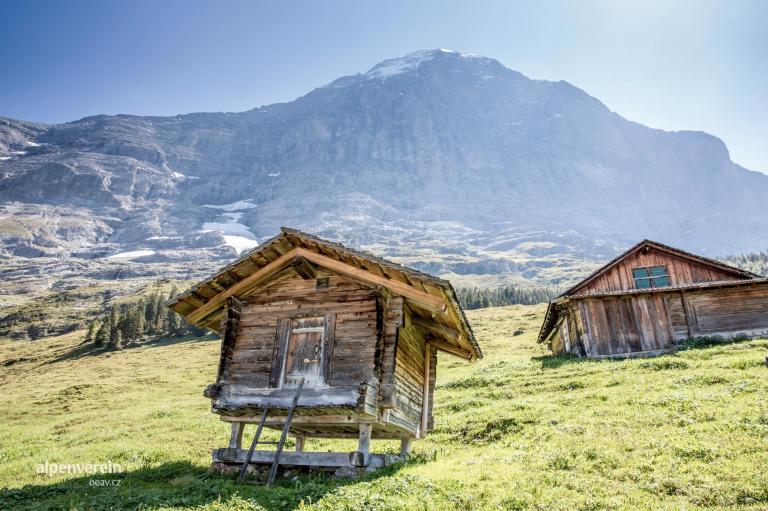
{"x": 442, "y": 160}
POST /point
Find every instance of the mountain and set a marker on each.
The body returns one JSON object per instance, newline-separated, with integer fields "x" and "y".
{"x": 450, "y": 162}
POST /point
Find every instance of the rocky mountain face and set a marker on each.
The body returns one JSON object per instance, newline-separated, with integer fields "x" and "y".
{"x": 446, "y": 161}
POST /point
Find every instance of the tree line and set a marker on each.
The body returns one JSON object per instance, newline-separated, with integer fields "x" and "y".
{"x": 478, "y": 298}
{"x": 756, "y": 262}
{"x": 139, "y": 320}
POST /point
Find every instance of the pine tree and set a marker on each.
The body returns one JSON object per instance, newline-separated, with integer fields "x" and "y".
{"x": 118, "y": 340}
{"x": 113, "y": 322}
{"x": 102, "y": 334}
{"x": 173, "y": 323}
{"x": 132, "y": 325}
{"x": 149, "y": 314}
{"x": 89, "y": 337}
{"x": 159, "y": 319}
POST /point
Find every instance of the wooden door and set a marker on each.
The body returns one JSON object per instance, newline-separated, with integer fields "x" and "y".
{"x": 305, "y": 352}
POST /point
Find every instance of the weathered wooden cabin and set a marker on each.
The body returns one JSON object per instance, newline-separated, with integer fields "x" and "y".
{"x": 651, "y": 296}
{"x": 363, "y": 332}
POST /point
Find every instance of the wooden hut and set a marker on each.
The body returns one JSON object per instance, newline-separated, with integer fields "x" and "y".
{"x": 651, "y": 296}
{"x": 363, "y": 333}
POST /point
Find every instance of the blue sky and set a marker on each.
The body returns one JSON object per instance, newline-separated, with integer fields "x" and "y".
{"x": 696, "y": 64}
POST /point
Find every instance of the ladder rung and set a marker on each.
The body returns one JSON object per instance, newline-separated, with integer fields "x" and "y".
{"x": 270, "y": 443}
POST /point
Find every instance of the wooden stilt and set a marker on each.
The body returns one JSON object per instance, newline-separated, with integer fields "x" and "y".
{"x": 405, "y": 446}
{"x": 299, "y": 443}
{"x": 362, "y": 457}
{"x": 236, "y": 438}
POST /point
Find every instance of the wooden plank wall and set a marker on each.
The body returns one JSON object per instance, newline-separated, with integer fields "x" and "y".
{"x": 432, "y": 383}
{"x": 653, "y": 321}
{"x": 613, "y": 326}
{"x": 409, "y": 377}
{"x": 728, "y": 311}
{"x": 556, "y": 343}
{"x": 681, "y": 271}
{"x": 392, "y": 321}
{"x": 352, "y": 360}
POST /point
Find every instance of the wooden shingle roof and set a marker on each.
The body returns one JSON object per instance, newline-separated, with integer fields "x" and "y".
{"x": 737, "y": 273}
{"x": 429, "y": 297}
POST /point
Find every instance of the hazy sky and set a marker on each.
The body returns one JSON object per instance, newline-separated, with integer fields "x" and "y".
{"x": 698, "y": 65}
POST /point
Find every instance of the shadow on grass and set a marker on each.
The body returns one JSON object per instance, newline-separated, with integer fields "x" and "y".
{"x": 692, "y": 343}
{"x": 89, "y": 349}
{"x": 179, "y": 484}
{"x": 702, "y": 342}
{"x": 555, "y": 361}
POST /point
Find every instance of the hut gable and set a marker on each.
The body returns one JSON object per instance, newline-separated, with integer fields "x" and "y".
{"x": 432, "y": 300}
{"x": 650, "y": 264}
{"x": 313, "y": 306}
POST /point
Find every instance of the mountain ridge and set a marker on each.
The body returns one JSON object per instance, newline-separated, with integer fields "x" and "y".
{"x": 449, "y": 162}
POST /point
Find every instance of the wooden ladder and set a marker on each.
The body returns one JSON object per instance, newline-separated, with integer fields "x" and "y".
{"x": 280, "y": 443}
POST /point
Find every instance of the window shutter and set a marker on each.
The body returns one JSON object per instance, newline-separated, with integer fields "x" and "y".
{"x": 281, "y": 337}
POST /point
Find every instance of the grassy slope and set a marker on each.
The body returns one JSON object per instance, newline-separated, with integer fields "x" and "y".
{"x": 518, "y": 430}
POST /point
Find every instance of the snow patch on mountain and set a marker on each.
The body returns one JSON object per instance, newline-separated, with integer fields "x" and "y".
{"x": 234, "y": 206}
{"x": 239, "y": 243}
{"x": 235, "y": 228}
{"x": 133, "y": 254}
{"x": 180, "y": 176}
{"x": 400, "y": 65}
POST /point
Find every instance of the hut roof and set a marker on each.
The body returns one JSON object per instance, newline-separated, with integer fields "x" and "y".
{"x": 432, "y": 299}
{"x": 737, "y": 273}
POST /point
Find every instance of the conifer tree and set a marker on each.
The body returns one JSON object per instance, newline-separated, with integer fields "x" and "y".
{"x": 160, "y": 315}
{"x": 173, "y": 322}
{"x": 102, "y": 334}
{"x": 118, "y": 340}
{"x": 149, "y": 314}
{"x": 113, "y": 322}
{"x": 89, "y": 337}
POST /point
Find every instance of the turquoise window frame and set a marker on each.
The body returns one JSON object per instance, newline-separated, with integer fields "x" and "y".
{"x": 650, "y": 277}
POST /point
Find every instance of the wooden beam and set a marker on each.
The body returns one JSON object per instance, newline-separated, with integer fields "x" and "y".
{"x": 405, "y": 447}
{"x": 450, "y": 348}
{"x": 454, "y": 315}
{"x": 362, "y": 457}
{"x": 425, "y": 300}
{"x": 301, "y": 459}
{"x": 304, "y": 268}
{"x": 244, "y": 285}
{"x": 352, "y": 419}
{"x": 433, "y": 326}
{"x": 236, "y": 437}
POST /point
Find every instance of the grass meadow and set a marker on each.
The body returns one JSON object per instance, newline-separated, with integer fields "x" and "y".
{"x": 517, "y": 430}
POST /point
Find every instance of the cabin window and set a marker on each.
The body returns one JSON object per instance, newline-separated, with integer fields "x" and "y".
{"x": 322, "y": 283}
{"x": 648, "y": 277}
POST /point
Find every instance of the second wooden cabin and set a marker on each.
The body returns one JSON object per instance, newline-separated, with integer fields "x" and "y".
{"x": 362, "y": 331}
{"x": 651, "y": 296}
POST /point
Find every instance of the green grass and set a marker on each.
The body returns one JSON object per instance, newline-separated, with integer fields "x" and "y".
{"x": 517, "y": 430}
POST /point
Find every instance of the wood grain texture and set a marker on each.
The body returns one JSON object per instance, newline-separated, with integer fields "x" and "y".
{"x": 652, "y": 322}
{"x": 242, "y": 286}
{"x": 257, "y": 360}
{"x": 681, "y": 272}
